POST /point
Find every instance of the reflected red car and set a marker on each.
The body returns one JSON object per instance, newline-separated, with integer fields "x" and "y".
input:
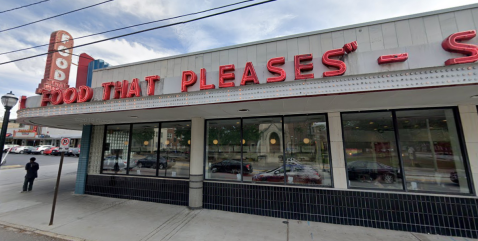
{"x": 49, "y": 150}
{"x": 300, "y": 174}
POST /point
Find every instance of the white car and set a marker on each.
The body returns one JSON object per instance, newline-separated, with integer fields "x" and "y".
{"x": 6, "y": 147}
{"x": 40, "y": 149}
{"x": 20, "y": 149}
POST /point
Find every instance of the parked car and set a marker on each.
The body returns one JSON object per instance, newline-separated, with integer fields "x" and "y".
{"x": 29, "y": 150}
{"x": 40, "y": 149}
{"x": 302, "y": 174}
{"x": 9, "y": 146}
{"x": 20, "y": 149}
{"x": 150, "y": 161}
{"x": 49, "y": 150}
{"x": 73, "y": 152}
{"x": 232, "y": 166}
{"x": 55, "y": 152}
{"x": 372, "y": 170}
{"x": 110, "y": 161}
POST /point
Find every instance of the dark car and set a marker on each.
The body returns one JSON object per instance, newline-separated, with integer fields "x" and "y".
{"x": 232, "y": 166}
{"x": 367, "y": 170}
{"x": 29, "y": 150}
{"x": 55, "y": 152}
{"x": 151, "y": 162}
{"x": 302, "y": 174}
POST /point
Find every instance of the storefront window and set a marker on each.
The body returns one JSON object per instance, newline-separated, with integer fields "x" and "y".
{"x": 144, "y": 149}
{"x": 262, "y": 150}
{"x": 306, "y": 150}
{"x": 431, "y": 151}
{"x": 223, "y": 149}
{"x": 115, "y": 154}
{"x": 175, "y": 149}
{"x": 371, "y": 152}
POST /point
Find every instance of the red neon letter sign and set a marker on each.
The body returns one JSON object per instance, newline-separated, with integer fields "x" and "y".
{"x": 450, "y": 44}
{"x": 299, "y": 67}
{"x": 249, "y": 74}
{"x": 276, "y": 70}
{"x": 70, "y": 95}
{"x": 56, "y": 97}
{"x": 121, "y": 89}
{"x": 327, "y": 61}
{"x": 223, "y": 76}
{"x": 85, "y": 94}
{"x": 188, "y": 74}
{"x": 134, "y": 89}
{"x": 107, "y": 90}
{"x": 202, "y": 81}
{"x": 392, "y": 58}
{"x": 45, "y": 97}
{"x": 23, "y": 102}
{"x": 151, "y": 83}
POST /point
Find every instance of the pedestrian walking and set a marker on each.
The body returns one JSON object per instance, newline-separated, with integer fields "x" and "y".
{"x": 32, "y": 173}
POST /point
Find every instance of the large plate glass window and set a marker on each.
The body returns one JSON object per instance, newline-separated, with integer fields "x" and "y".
{"x": 263, "y": 150}
{"x": 144, "y": 149}
{"x": 223, "y": 150}
{"x": 175, "y": 149}
{"x": 431, "y": 151}
{"x": 371, "y": 151}
{"x": 115, "y": 149}
{"x": 306, "y": 150}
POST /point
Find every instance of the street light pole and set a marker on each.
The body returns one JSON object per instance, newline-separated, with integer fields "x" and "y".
{"x": 8, "y": 101}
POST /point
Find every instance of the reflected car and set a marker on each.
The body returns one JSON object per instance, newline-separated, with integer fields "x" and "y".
{"x": 73, "y": 152}
{"x": 301, "y": 174}
{"x": 151, "y": 161}
{"x": 110, "y": 161}
{"x": 365, "y": 170}
{"x": 29, "y": 150}
{"x": 233, "y": 166}
{"x": 49, "y": 150}
{"x": 20, "y": 149}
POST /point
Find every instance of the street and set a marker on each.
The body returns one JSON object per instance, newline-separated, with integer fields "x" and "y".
{"x": 42, "y": 160}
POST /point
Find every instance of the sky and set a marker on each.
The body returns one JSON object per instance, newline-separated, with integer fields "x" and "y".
{"x": 274, "y": 19}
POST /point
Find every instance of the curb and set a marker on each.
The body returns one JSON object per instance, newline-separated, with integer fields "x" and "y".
{"x": 10, "y": 167}
{"x": 41, "y": 232}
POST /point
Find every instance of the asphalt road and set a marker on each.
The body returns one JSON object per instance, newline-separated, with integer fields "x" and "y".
{"x": 43, "y": 160}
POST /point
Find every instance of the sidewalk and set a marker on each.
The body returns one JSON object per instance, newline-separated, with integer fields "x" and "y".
{"x": 85, "y": 217}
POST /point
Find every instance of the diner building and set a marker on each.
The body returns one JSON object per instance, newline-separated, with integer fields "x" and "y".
{"x": 373, "y": 124}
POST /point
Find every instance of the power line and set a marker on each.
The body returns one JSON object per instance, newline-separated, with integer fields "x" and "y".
{"x": 41, "y": 20}
{"x": 23, "y": 6}
{"x": 136, "y": 25}
{"x": 145, "y": 30}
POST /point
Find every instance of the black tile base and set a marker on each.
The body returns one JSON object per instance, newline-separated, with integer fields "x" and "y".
{"x": 143, "y": 189}
{"x": 452, "y": 216}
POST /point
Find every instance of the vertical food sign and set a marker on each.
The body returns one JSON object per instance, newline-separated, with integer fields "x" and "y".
{"x": 57, "y": 69}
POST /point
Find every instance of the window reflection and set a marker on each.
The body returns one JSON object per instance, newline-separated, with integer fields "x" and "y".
{"x": 175, "y": 148}
{"x": 115, "y": 154}
{"x": 262, "y": 148}
{"x": 223, "y": 150}
{"x": 370, "y": 150}
{"x": 431, "y": 151}
{"x": 144, "y": 144}
{"x": 307, "y": 156}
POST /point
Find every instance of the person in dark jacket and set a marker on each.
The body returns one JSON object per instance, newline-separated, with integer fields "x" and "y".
{"x": 32, "y": 173}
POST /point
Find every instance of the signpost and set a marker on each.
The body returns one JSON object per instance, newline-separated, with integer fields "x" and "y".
{"x": 64, "y": 146}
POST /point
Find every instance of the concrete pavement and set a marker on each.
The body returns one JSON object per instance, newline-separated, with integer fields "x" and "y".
{"x": 85, "y": 217}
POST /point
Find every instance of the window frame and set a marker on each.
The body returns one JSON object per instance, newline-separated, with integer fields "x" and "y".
{"x": 461, "y": 140}
{"x": 282, "y": 117}
{"x": 158, "y": 154}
